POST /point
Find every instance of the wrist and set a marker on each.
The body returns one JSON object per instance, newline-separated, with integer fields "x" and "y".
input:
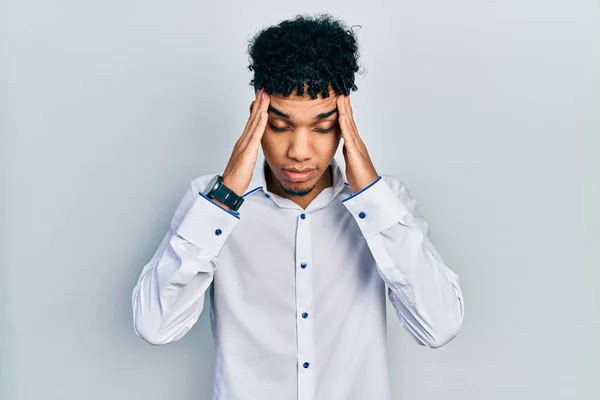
{"x": 229, "y": 185}
{"x": 221, "y": 204}
{"x": 222, "y": 195}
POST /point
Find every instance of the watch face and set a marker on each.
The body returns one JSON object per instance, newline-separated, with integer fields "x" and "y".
{"x": 211, "y": 185}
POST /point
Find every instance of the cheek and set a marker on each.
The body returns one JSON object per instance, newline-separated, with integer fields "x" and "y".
{"x": 329, "y": 143}
{"x": 272, "y": 144}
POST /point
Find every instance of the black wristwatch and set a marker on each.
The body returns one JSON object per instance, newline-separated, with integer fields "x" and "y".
{"x": 218, "y": 191}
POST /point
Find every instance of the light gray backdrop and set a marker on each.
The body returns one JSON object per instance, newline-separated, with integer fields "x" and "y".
{"x": 488, "y": 109}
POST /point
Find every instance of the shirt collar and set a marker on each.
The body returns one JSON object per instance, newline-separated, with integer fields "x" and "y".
{"x": 258, "y": 184}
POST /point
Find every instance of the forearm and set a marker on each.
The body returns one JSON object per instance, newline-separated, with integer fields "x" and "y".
{"x": 424, "y": 292}
{"x": 169, "y": 295}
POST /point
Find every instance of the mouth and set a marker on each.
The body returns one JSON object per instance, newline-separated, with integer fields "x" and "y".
{"x": 298, "y": 176}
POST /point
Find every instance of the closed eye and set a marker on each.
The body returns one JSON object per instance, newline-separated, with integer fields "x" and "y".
{"x": 328, "y": 130}
{"x": 276, "y": 129}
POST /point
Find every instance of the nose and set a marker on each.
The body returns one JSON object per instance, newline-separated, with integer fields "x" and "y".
{"x": 300, "y": 148}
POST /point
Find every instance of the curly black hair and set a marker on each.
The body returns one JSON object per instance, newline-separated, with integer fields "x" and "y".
{"x": 318, "y": 52}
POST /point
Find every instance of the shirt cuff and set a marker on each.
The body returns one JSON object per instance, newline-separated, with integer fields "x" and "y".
{"x": 207, "y": 225}
{"x": 376, "y": 208}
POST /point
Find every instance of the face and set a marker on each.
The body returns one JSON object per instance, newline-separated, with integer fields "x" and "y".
{"x": 302, "y": 134}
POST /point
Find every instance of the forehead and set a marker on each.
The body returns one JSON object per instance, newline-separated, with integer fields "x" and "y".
{"x": 304, "y": 107}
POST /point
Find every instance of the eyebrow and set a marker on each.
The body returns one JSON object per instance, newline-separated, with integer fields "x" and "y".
{"x": 287, "y": 116}
{"x": 325, "y": 115}
{"x": 276, "y": 111}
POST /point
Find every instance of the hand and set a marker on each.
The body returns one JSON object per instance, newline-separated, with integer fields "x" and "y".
{"x": 238, "y": 172}
{"x": 360, "y": 171}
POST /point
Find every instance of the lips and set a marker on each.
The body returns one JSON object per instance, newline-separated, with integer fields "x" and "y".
{"x": 298, "y": 176}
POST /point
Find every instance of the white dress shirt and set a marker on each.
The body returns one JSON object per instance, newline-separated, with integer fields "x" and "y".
{"x": 297, "y": 296}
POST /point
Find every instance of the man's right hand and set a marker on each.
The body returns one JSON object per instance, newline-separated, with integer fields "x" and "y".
{"x": 238, "y": 173}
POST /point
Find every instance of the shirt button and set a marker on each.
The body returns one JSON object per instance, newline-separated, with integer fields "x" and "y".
{"x": 305, "y": 365}
{"x": 303, "y": 265}
{"x": 362, "y": 215}
{"x": 267, "y": 195}
{"x": 304, "y": 315}
{"x": 303, "y": 216}
{"x": 218, "y": 232}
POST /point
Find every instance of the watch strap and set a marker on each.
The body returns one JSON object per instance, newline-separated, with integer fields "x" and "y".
{"x": 227, "y": 197}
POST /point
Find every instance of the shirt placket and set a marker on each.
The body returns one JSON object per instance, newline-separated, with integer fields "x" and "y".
{"x": 304, "y": 310}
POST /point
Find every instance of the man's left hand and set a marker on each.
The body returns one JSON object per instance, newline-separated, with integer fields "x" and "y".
{"x": 360, "y": 171}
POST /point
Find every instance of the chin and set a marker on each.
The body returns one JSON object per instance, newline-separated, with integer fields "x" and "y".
{"x": 297, "y": 188}
{"x": 298, "y": 185}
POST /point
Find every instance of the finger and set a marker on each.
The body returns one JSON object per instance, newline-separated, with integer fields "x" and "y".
{"x": 344, "y": 114}
{"x": 349, "y": 106}
{"x": 259, "y": 131}
{"x": 262, "y": 108}
{"x": 353, "y": 127}
{"x": 346, "y": 133}
{"x": 254, "y": 116}
{"x": 256, "y": 101}
{"x": 265, "y": 101}
{"x": 255, "y": 106}
{"x": 341, "y": 105}
{"x": 352, "y": 121}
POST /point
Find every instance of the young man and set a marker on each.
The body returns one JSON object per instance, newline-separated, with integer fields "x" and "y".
{"x": 294, "y": 252}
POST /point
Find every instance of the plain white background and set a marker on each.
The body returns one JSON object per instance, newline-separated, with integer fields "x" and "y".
{"x": 488, "y": 109}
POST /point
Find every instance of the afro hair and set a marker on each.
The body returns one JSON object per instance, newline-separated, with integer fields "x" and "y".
{"x": 305, "y": 53}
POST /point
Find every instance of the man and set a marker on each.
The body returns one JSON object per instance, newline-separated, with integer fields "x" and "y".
{"x": 294, "y": 252}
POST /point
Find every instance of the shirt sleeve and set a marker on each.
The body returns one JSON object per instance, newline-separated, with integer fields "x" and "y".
{"x": 423, "y": 290}
{"x": 169, "y": 295}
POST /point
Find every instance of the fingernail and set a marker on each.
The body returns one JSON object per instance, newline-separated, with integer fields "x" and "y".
{"x": 263, "y": 94}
